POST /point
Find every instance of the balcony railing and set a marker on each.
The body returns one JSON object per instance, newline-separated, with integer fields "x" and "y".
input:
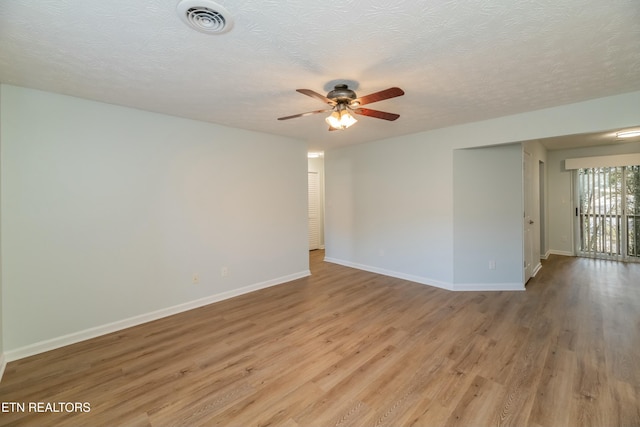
{"x": 600, "y": 234}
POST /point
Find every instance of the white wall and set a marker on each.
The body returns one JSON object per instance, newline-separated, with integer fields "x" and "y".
{"x": 2, "y": 358}
{"x": 107, "y": 212}
{"x": 487, "y": 217}
{"x": 389, "y": 203}
{"x": 560, "y": 199}
{"x": 388, "y": 208}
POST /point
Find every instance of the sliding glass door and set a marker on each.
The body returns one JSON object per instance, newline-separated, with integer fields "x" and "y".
{"x": 608, "y": 212}
{"x": 633, "y": 211}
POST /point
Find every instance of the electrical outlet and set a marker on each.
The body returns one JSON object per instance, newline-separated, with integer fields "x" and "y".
{"x": 196, "y": 278}
{"x": 492, "y": 265}
{"x": 224, "y": 271}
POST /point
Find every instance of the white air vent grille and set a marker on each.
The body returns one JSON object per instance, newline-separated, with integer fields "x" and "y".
{"x": 205, "y": 16}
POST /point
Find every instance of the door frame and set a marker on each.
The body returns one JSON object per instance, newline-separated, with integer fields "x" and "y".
{"x": 528, "y": 216}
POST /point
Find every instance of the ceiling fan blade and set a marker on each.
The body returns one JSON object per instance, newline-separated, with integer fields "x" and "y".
{"x": 375, "y": 113}
{"x": 304, "y": 114}
{"x": 316, "y": 95}
{"x": 378, "y": 96}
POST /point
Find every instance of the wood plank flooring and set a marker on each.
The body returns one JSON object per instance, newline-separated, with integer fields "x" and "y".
{"x": 350, "y": 348}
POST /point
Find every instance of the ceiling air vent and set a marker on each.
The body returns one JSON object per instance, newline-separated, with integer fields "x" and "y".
{"x": 205, "y": 16}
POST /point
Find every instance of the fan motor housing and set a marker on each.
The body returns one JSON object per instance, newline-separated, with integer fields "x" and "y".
{"x": 342, "y": 93}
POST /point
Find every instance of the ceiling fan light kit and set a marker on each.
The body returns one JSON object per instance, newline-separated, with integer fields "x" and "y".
{"x": 340, "y": 118}
{"x": 344, "y": 101}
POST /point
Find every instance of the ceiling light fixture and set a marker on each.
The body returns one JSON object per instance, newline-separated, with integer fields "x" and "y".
{"x": 628, "y": 133}
{"x": 340, "y": 118}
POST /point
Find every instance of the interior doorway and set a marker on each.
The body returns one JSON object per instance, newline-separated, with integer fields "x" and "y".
{"x": 543, "y": 210}
{"x": 528, "y": 222}
{"x": 316, "y": 200}
{"x": 314, "y": 210}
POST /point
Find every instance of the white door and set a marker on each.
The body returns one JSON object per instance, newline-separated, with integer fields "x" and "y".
{"x": 529, "y": 262}
{"x": 314, "y": 211}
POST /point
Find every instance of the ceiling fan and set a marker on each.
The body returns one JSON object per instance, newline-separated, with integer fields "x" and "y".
{"x": 344, "y": 101}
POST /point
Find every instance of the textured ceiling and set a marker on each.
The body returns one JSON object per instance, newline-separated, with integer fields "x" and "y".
{"x": 457, "y": 60}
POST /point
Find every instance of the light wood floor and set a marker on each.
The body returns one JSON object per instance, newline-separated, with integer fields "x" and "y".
{"x": 346, "y": 347}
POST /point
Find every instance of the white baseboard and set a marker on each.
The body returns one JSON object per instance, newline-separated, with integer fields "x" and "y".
{"x": 3, "y": 365}
{"x": 390, "y": 273}
{"x": 563, "y": 253}
{"x": 536, "y": 269}
{"x": 545, "y": 255}
{"x": 477, "y": 287}
{"x": 432, "y": 282}
{"x": 51, "y": 344}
